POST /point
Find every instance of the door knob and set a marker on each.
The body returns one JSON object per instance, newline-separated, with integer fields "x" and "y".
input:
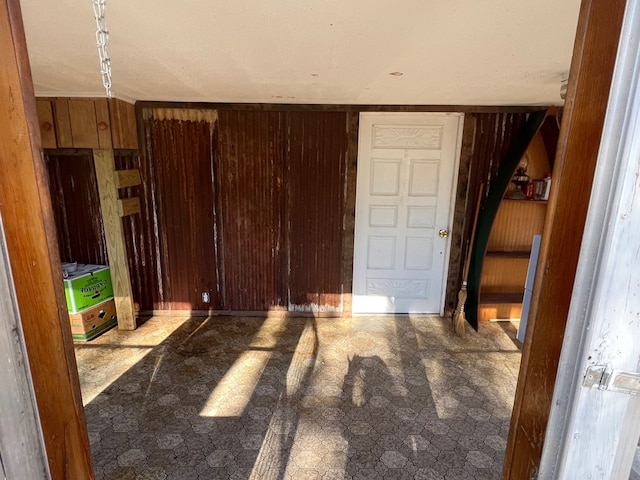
{"x": 443, "y": 233}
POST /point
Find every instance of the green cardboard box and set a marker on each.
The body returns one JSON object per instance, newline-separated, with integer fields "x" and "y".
{"x": 87, "y": 286}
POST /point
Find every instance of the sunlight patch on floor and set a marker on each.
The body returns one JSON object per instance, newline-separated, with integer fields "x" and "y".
{"x": 282, "y": 430}
{"x": 126, "y": 348}
{"x": 234, "y": 391}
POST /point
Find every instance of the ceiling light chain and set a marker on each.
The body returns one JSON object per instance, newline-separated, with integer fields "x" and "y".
{"x": 102, "y": 39}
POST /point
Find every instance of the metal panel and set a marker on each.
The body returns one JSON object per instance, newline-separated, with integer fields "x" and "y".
{"x": 130, "y": 227}
{"x": 76, "y": 207}
{"x": 316, "y": 160}
{"x": 182, "y": 157}
{"x": 249, "y": 174}
{"x": 141, "y": 239}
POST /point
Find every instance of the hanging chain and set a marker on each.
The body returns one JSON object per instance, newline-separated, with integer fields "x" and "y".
{"x": 102, "y": 39}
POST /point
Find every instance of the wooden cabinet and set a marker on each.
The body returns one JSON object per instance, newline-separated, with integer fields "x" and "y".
{"x": 87, "y": 123}
{"x": 507, "y": 257}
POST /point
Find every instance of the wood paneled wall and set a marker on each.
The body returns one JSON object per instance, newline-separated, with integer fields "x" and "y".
{"x": 493, "y": 136}
{"x": 248, "y": 207}
{"x": 183, "y": 179}
{"x": 486, "y": 141}
{"x": 279, "y": 201}
{"x": 141, "y": 236}
{"x": 515, "y": 225}
{"x": 87, "y": 123}
{"x": 76, "y": 207}
{"x": 251, "y": 193}
{"x": 316, "y": 162}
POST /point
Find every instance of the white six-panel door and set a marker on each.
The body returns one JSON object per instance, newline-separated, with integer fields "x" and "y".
{"x": 407, "y": 166}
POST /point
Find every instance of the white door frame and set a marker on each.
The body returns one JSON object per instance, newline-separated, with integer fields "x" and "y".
{"x": 452, "y": 199}
{"x": 592, "y": 433}
{"x": 22, "y": 450}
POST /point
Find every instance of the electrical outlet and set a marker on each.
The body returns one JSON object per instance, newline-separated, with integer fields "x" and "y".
{"x": 206, "y": 297}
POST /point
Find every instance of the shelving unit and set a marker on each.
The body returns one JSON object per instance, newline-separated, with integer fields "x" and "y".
{"x": 507, "y": 257}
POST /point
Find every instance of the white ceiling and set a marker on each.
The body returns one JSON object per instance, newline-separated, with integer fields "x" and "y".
{"x": 456, "y": 52}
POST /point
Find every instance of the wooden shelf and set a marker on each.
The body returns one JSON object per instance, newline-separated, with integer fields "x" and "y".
{"x": 526, "y": 200}
{"x": 508, "y": 249}
{"x": 501, "y": 297}
{"x": 524, "y": 254}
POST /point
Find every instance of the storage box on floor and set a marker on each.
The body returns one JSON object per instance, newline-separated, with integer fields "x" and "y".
{"x": 90, "y": 302}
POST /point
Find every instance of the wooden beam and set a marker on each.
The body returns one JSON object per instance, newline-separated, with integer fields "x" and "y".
{"x": 593, "y": 432}
{"x": 28, "y": 221}
{"x": 128, "y": 178}
{"x": 116, "y": 248}
{"x": 128, "y": 206}
{"x": 287, "y": 107}
{"x": 23, "y": 453}
{"x": 589, "y": 82}
{"x": 349, "y": 219}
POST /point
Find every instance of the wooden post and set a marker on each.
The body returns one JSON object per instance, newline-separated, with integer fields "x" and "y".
{"x": 21, "y": 443}
{"x": 25, "y": 205}
{"x": 589, "y": 83}
{"x": 108, "y": 191}
{"x": 595, "y": 418}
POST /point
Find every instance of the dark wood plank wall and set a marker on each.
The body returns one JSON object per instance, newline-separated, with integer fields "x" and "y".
{"x": 486, "y": 140}
{"x": 183, "y": 163}
{"x": 76, "y": 208}
{"x": 316, "y": 161}
{"x": 276, "y": 208}
{"x": 251, "y": 195}
{"x": 493, "y": 137}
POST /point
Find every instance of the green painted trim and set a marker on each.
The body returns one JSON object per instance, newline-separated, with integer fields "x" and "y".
{"x": 488, "y": 213}
{"x": 96, "y": 331}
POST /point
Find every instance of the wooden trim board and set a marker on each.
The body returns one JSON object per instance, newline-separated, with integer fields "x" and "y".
{"x": 128, "y": 206}
{"x": 283, "y": 107}
{"x": 588, "y": 92}
{"x": 21, "y": 441}
{"x": 593, "y": 432}
{"x": 114, "y": 235}
{"x": 25, "y": 205}
{"x": 128, "y": 178}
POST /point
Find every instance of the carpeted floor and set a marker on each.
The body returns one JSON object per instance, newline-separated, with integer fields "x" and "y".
{"x": 298, "y": 398}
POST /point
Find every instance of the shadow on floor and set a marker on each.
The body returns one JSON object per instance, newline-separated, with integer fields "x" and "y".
{"x": 256, "y": 398}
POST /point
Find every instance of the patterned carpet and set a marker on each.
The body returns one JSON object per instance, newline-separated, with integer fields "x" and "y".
{"x": 299, "y": 398}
